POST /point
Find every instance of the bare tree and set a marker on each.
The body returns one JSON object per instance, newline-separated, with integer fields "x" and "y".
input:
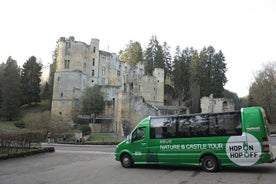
{"x": 263, "y": 90}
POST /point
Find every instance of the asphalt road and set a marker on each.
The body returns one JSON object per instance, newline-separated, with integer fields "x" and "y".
{"x": 74, "y": 167}
{"x": 273, "y": 140}
{"x": 73, "y": 164}
{"x": 100, "y": 148}
{"x": 82, "y": 148}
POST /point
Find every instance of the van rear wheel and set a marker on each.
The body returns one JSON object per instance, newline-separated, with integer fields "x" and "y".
{"x": 209, "y": 163}
{"x": 126, "y": 161}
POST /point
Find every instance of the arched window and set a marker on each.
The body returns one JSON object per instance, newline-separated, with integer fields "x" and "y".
{"x": 225, "y": 106}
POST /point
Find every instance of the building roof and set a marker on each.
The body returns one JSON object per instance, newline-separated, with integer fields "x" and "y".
{"x": 166, "y": 107}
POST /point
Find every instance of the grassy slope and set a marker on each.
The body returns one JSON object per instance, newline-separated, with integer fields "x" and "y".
{"x": 9, "y": 126}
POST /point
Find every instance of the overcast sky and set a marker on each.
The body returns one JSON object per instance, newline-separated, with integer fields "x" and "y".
{"x": 244, "y": 30}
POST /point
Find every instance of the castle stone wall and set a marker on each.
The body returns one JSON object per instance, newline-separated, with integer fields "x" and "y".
{"x": 126, "y": 88}
{"x": 152, "y": 87}
{"x": 210, "y": 104}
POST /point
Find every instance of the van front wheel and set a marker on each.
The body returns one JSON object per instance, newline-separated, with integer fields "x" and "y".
{"x": 209, "y": 163}
{"x": 126, "y": 161}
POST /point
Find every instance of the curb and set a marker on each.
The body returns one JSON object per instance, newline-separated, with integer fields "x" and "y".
{"x": 78, "y": 145}
{"x": 27, "y": 153}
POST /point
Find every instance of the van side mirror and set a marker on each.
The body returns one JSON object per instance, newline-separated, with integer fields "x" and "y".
{"x": 129, "y": 139}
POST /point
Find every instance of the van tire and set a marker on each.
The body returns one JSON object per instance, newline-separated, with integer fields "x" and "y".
{"x": 209, "y": 163}
{"x": 126, "y": 161}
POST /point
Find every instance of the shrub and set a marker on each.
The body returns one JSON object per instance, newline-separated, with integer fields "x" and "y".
{"x": 82, "y": 121}
{"x": 38, "y": 121}
{"x": 20, "y": 124}
{"x": 86, "y": 130}
{"x": 16, "y": 141}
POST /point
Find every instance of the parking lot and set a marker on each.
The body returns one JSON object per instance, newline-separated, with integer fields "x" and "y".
{"x": 72, "y": 167}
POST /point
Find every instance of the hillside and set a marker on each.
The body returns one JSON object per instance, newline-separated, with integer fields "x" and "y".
{"x": 17, "y": 125}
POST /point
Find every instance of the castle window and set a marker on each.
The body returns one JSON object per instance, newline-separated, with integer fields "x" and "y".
{"x": 58, "y": 78}
{"x": 68, "y": 45}
{"x": 84, "y": 67}
{"x": 225, "y": 106}
{"x": 92, "y": 74}
{"x": 67, "y": 48}
{"x": 93, "y": 62}
{"x": 83, "y": 83}
{"x": 66, "y": 64}
{"x": 118, "y": 73}
{"x": 94, "y": 49}
{"x": 61, "y": 94}
{"x": 85, "y": 54}
{"x": 103, "y": 70}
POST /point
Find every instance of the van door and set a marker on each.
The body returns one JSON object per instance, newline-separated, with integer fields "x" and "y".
{"x": 139, "y": 144}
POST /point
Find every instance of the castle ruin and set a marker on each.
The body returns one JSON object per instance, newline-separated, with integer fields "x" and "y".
{"x": 129, "y": 94}
{"x": 213, "y": 105}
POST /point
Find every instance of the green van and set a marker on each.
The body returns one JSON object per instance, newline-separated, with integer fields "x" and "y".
{"x": 209, "y": 140}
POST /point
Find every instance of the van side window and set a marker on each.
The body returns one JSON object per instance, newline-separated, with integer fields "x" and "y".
{"x": 139, "y": 134}
{"x": 163, "y": 127}
{"x": 225, "y": 124}
{"x": 200, "y": 125}
{"x": 193, "y": 126}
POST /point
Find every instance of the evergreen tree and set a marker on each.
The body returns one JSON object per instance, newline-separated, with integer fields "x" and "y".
{"x": 132, "y": 54}
{"x": 231, "y": 95}
{"x": 181, "y": 75}
{"x": 218, "y": 75}
{"x": 167, "y": 59}
{"x": 11, "y": 91}
{"x": 195, "y": 77}
{"x": 195, "y": 69}
{"x": 2, "y": 69}
{"x": 204, "y": 71}
{"x": 30, "y": 81}
{"x": 52, "y": 74}
{"x": 46, "y": 94}
{"x": 208, "y": 71}
{"x": 154, "y": 57}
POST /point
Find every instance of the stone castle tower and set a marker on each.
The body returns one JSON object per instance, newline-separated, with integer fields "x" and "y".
{"x": 128, "y": 92}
